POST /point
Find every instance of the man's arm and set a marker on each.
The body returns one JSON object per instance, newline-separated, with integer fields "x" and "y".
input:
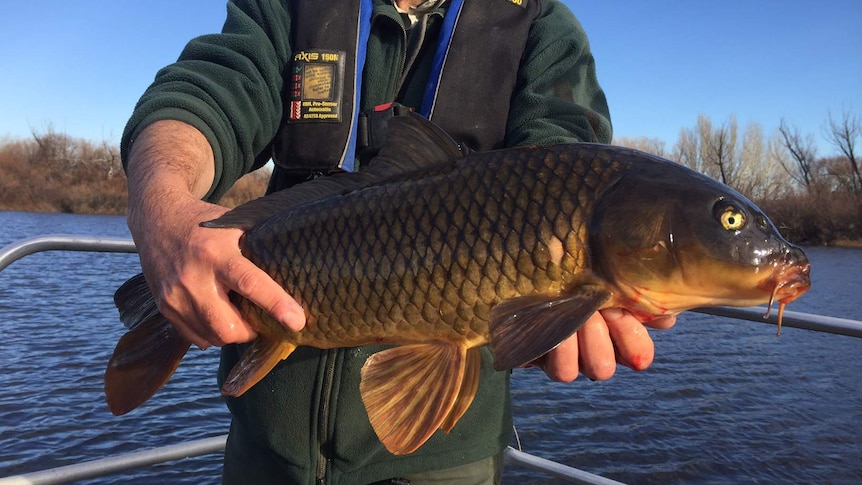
{"x": 558, "y": 97}
{"x": 191, "y": 269}
{"x": 205, "y": 121}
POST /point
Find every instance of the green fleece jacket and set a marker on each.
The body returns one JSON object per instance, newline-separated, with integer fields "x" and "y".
{"x": 305, "y": 420}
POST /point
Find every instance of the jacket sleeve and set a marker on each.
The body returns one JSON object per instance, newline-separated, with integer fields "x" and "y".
{"x": 228, "y": 86}
{"x": 558, "y": 98}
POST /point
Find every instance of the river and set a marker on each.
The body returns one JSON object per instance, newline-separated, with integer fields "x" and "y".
{"x": 724, "y": 402}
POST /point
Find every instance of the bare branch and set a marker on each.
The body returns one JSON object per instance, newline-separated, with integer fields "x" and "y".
{"x": 844, "y": 134}
{"x": 802, "y": 151}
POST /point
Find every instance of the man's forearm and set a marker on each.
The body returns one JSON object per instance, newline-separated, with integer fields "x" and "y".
{"x": 170, "y": 163}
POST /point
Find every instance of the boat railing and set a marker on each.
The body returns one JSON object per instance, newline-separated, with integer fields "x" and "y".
{"x": 118, "y": 463}
{"x": 164, "y": 454}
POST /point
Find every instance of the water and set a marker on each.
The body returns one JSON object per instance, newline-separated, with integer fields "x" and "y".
{"x": 725, "y": 401}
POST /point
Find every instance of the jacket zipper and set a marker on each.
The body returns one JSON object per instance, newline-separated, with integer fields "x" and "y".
{"x": 330, "y": 356}
{"x": 399, "y": 72}
{"x": 323, "y": 420}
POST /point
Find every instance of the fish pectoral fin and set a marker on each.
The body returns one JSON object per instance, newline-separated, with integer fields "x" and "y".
{"x": 469, "y": 386}
{"x": 409, "y": 392}
{"x": 526, "y": 328}
{"x": 143, "y": 361}
{"x": 258, "y": 359}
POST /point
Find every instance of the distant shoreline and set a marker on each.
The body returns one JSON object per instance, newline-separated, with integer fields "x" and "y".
{"x": 839, "y": 243}
{"x": 56, "y": 173}
{"x": 854, "y": 244}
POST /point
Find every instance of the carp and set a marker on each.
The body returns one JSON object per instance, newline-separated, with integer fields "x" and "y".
{"x": 439, "y": 251}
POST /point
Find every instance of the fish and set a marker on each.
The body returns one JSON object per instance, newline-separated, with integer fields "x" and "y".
{"x": 437, "y": 251}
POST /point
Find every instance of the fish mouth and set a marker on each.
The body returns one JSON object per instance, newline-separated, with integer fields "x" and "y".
{"x": 789, "y": 281}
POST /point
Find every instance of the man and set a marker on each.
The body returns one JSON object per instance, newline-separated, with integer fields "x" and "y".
{"x": 280, "y": 82}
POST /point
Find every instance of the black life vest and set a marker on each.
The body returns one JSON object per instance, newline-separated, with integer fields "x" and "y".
{"x": 468, "y": 93}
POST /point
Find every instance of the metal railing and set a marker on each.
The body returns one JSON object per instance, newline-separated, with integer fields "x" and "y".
{"x": 119, "y": 463}
{"x": 59, "y": 242}
{"x": 216, "y": 444}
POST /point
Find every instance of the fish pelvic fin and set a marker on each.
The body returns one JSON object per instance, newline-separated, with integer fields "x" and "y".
{"x": 526, "y": 328}
{"x": 258, "y": 359}
{"x": 147, "y": 355}
{"x": 412, "y": 391}
{"x": 143, "y": 361}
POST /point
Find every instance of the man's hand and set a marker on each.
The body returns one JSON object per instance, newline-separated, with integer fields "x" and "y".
{"x": 191, "y": 269}
{"x": 608, "y": 337}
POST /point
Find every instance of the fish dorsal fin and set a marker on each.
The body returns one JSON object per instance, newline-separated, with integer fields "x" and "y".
{"x": 526, "y": 328}
{"x": 415, "y": 144}
{"x": 414, "y": 148}
{"x": 410, "y": 391}
{"x": 250, "y": 214}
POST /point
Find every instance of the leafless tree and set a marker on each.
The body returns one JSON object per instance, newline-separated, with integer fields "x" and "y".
{"x": 743, "y": 162}
{"x": 697, "y": 147}
{"x": 802, "y": 152}
{"x": 654, "y": 146}
{"x": 719, "y": 151}
{"x": 687, "y": 150}
{"x": 844, "y": 134}
{"x": 758, "y": 175}
{"x": 61, "y": 150}
{"x": 779, "y": 180}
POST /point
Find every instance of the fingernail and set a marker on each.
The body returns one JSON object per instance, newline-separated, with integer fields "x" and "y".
{"x": 293, "y": 319}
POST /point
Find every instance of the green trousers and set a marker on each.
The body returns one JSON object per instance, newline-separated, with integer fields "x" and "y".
{"x": 247, "y": 463}
{"x": 483, "y": 472}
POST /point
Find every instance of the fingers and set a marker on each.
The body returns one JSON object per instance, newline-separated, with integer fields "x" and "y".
{"x": 202, "y": 312}
{"x": 561, "y": 364}
{"x": 198, "y": 302}
{"x": 597, "y": 358}
{"x": 609, "y": 337}
{"x": 256, "y": 285}
{"x": 589, "y": 351}
{"x": 634, "y": 346}
{"x": 662, "y": 323}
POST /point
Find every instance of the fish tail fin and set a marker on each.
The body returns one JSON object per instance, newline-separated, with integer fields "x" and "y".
{"x": 526, "y": 328}
{"x": 143, "y": 361}
{"x": 258, "y": 359}
{"x": 147, "y": 355}
{"x": 412, "y": 391}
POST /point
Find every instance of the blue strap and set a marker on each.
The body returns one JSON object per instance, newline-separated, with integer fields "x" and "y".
{"x": 445, "y": 39}
{"x": 366, "y": 9}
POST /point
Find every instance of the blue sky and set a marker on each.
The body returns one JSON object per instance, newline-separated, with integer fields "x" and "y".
{"x": 80, "y": 66}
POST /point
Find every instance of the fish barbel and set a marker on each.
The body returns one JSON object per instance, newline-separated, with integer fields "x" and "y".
{"x": 440, "y": 252}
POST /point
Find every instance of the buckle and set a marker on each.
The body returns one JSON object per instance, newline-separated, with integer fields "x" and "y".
{"x": 373, "y": 126}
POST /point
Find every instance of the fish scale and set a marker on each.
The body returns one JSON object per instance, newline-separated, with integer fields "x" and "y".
{"x": 436, "y": 262}
{"x": 440, "y": 252}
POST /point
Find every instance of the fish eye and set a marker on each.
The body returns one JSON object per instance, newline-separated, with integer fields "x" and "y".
{"x": 731, "y": 218}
